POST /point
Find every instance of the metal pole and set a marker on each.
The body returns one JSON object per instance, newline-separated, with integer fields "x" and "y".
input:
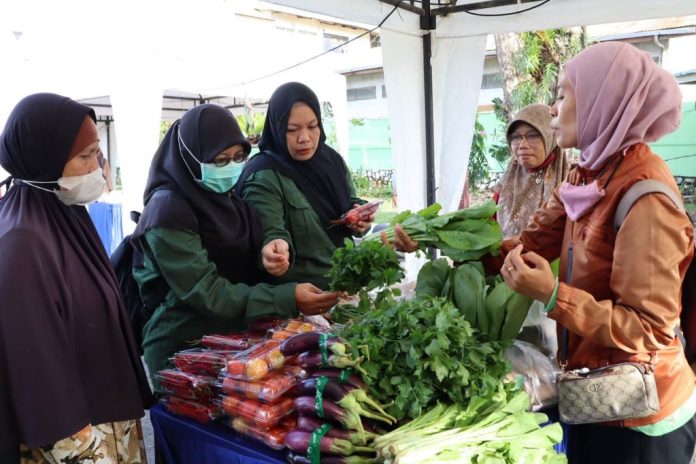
{"x": 427, "y": 24}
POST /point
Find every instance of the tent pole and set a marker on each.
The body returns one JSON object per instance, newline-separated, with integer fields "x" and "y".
{"x": 428, "y": 24}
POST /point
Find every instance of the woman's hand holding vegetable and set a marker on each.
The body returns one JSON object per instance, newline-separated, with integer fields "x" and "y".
{"x": 402, "y": 241}
{"x": 362, "y": 225}
{"x": 275, "y": 257}
{"x": 311, "y": 300}
{"x": 536, "y": 281}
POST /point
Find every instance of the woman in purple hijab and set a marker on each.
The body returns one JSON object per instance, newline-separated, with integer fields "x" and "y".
{"x": 72, "y": 386}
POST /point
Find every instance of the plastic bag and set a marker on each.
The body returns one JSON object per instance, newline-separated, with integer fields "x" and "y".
{"x": 540, "y": 373}
{"x": 539, "y": 330}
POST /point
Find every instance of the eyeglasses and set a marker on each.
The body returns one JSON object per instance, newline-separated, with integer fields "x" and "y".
{"x": 237, "y": 158}
{"x": 531, "y": 137}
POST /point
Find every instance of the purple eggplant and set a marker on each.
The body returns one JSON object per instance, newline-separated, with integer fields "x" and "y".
{"x": 298, "y": 442}
{"x": 295, "y": 458}
{"x": 311, "y": 423}
{"x": 307, "y": 405}
{"x": 351, "y": 380}
{"x": 355, "y": 400}
{"x": 312, "y": 360}
{"x": 309, "y": 341}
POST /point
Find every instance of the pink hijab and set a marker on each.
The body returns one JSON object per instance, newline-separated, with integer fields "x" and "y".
{"x": 622, "y": 98}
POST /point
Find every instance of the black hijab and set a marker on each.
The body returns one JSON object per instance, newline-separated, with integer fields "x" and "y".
{"x": 322, "y": 178}
{"x": 229, "y": 229}
{"x": 67, "y": 354}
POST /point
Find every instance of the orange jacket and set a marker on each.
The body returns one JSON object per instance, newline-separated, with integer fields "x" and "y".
{"x": 623, "y": 299}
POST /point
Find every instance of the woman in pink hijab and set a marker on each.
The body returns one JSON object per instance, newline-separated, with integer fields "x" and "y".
{"x": 618, "y": 295}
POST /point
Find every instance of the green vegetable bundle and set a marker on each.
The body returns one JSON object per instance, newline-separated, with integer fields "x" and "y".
{"x": 365, "y": 267}
{"x": 493, "y": 309}
{"x": 488, "y": 430}
{"x": 463, "y": 235}
{"x": 422, "y": 351}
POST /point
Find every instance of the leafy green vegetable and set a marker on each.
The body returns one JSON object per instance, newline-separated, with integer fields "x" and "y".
{"x": 422, "y": 351}
{"x": 462, "y": 235}
{"x": 367, "y": 266}
{"x": 432, "y": 278}
{"x": 498, "y": 429}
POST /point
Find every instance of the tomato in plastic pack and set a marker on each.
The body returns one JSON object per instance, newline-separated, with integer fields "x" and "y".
{"x": 255, "y": 412}
{"x": 201, "y": 413}
{"x": 273, "y": 437}
{"x": 198, "y": 388}
{"x": 256, "y": 362}
{"x": 267, "y": 390}
{"x": 201, "y": 361}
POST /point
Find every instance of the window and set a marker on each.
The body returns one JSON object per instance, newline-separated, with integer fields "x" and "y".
{"x": 491, "y": 81}
{"x": 384, "y": 91}
{"x": 362, "y": 93}
{"x": 332, "y": 40}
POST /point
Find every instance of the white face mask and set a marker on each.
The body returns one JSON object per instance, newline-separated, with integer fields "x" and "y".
{"x": 80, "y": 190}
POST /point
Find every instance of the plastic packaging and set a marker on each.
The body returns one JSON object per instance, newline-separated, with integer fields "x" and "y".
{"x": 299, "y": 326}
{"x": 187, "y": 386}
{"x": 539, "y": 330}
{"x": 273, "y": 437}
{"x": 540, "y": 373}
{"x": 265, "y": 324}
{"x": 267, "y": 390}
{"x": 293, "y": 369}
{"x": 230, "y": 342}
{"x": 199, "y": 412}
{"x": 281, "y": 334}
{"x": 260, "y": 414}
{"x": 256, "y": 362}
{"x": 201, "y": 361}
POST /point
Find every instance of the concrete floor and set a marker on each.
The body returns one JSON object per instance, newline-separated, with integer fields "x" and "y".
{"x": 149, "y": 438}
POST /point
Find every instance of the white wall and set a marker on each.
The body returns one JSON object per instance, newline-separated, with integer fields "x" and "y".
{"x": 680, "y": 55}
{"x": 369, "y": 109}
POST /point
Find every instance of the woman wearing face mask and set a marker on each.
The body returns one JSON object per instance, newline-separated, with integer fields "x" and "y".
{"x": 538, "y": 165}
{"x": 299, "y": 185}
{"x": 618, "y": 294}
{"x": 201, "y": 243}
{"x": 72, "y": 386}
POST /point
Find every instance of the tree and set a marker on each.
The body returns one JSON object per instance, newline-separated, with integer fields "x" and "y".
{"x": 529, "y": 64}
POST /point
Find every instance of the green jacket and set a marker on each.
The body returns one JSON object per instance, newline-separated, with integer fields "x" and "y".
{"x": 287, "y": 214}
{"x": 199, "y": 301}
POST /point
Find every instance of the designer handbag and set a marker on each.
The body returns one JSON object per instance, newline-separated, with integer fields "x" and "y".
{"x": 615, "y": 392}
{"x": 619, "y": 391}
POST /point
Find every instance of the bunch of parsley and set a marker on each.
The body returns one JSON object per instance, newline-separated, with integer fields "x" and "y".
{"x": 423, "y": 351}
{"x": 364, "y": 267}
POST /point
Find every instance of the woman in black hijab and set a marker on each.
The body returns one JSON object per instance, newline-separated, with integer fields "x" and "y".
{"x": 201, "y": 243}
{"x": 71, "y": 382}
{"x": 299, "y": 185}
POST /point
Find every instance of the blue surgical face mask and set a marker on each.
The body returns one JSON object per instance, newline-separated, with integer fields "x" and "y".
{"x": 220, "y": 179}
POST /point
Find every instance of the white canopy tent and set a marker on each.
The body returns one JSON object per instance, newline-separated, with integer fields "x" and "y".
{"x": 440, "y": 128}
{"x": 133, "y": 51}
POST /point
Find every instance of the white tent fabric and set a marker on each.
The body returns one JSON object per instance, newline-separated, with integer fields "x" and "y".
{"x": 133, "y": 51}
{"x": 457, "y": 60}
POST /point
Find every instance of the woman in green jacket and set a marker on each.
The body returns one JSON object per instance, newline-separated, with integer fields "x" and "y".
{"x": 201, "y": 244}
{"x": 299, "y": 185}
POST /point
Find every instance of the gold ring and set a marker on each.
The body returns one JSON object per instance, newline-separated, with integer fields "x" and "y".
{"x": 511, "y": 268}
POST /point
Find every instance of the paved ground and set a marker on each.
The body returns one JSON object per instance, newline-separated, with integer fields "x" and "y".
{"x": 148, "y": 436}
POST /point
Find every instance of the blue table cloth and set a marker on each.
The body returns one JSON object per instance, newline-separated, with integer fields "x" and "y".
{"x": 179, "y": 440}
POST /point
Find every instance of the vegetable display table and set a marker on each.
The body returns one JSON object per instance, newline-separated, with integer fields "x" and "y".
{"x": 179, "y": 440}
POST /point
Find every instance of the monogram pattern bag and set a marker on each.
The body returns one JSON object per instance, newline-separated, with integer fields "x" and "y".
{"x": 615, "y": 392}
